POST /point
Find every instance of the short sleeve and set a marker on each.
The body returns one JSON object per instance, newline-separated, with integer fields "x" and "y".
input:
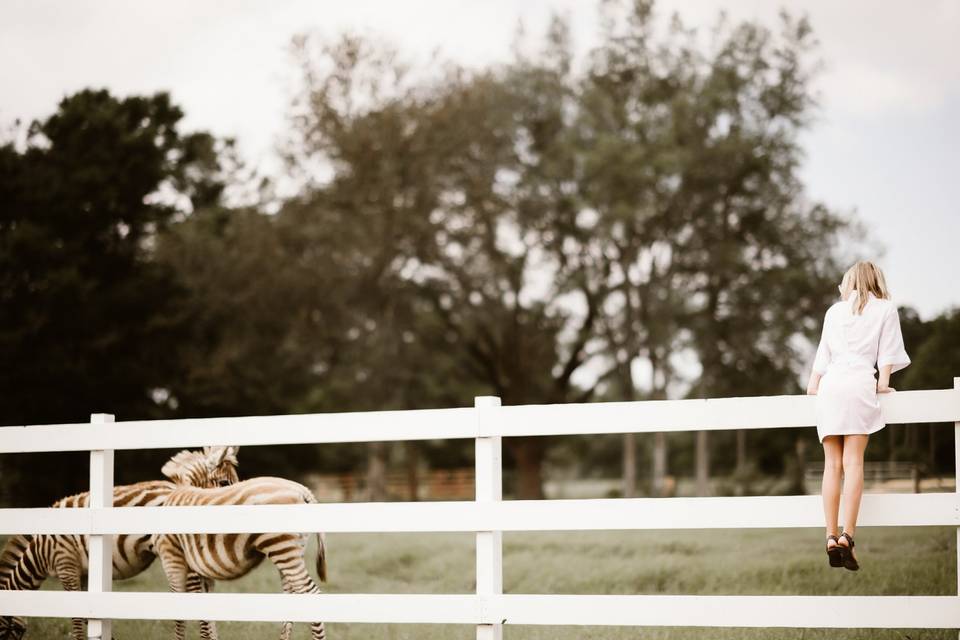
{"x": 822, "y": 358}
{"x": 891, "y": 349}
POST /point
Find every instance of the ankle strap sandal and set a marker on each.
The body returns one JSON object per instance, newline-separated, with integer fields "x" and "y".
{"x": 834, "y": 553}
{"x": 849, "y": 562}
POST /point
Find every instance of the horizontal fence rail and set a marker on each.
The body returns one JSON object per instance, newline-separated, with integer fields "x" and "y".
{"x": 639, "y": 610}
{"x": 488, "y": 516}
{"x": 429, "y": 424}
{"x": 879, "y": 510}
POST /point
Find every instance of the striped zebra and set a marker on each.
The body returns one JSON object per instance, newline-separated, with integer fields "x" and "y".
{"x": 227, "y": 556}
{"x": 28, "y": 560}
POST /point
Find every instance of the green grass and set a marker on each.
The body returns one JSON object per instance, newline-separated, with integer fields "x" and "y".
{"x": 904, "y": 561}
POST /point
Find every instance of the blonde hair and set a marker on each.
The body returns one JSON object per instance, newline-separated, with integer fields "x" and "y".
{"x": 864, "y": 277}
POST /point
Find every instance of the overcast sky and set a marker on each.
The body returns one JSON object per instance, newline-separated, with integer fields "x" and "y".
{"x": 886, "y": 144}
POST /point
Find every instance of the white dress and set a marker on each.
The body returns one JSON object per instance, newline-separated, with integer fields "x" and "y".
{"x": 847, "y": 401}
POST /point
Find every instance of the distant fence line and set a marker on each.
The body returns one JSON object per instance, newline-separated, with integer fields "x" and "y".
{"x": 487, "y": 516}
{"x": 431, "y": 484}
{"x": 458, "y": 483}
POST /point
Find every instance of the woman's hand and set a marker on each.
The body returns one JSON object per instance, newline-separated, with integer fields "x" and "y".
{"x": 812, "y": 390}
{"x": 883, "y": 380}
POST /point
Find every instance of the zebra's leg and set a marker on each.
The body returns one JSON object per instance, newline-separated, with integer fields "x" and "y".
{"x": 317, "y": 629}
{"x": 69, "y": 569}
{"x": 208, "y": 585}
{"x": 175, "y": 568}
{"x": 198, "y": 584}
{"x": 286, "y": 551}
{"x": 12, "y": 627}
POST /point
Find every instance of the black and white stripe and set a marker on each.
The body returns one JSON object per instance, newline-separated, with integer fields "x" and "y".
{"x": 28, "y": 560}
{"x": 230, "y": 556}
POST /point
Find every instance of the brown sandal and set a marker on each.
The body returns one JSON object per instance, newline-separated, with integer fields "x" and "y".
{"x": 849, "y": 562}
{"x": 834, "y": 553}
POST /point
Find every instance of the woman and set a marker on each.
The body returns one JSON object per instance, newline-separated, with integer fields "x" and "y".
{"x": 859, "y": 331}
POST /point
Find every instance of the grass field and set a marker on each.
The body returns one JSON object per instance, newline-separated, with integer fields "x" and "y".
{"x": 906, "y": 561}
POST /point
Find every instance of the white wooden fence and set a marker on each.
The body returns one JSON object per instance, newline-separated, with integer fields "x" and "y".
{"x": 488, "y": 516}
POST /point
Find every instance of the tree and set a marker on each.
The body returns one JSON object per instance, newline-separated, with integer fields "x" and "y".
{"x": 549, "y": 218}
{"x": 368, "y": 130}
{"x": 452, "y": 217}
{"x": 247, "y": 308}
{"x": 759, "y": 257}
{"x": 88, "y": 317}
{"x": 934, "y": 348}
{"x": 690, "y": 170}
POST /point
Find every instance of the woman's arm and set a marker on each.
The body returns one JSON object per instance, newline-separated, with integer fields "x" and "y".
{"x": 813, "y": 384}
{"x": 891, "y": 354}
{"x": 820, "y": 361}
{"x": 883, "y": 381}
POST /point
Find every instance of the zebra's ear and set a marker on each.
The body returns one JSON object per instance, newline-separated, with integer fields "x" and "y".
{"x": 217, "y": 455}
{"x": 174, "y": 468}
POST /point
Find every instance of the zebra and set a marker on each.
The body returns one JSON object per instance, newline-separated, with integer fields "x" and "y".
{"x": 229, "y": 556}
{"x": 28, "y": 560}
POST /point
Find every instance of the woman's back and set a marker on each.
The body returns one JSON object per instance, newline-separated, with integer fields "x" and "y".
{"x": 852, "y": 340}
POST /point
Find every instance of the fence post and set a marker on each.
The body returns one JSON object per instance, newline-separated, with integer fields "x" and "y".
{"x": 489, "y": 488}
{"x": 100, "y": 547}
{"x": 956, "y": 486}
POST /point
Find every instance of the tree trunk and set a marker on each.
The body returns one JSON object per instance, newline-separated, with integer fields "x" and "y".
{"x": 660, "y": 379}
{"x": 801, "y": 471}
{"x": 629, "y": 465}
{"x": 413, "y": 476}
{"x": 892, "y": 454}
{"x": 377, "y": 471}
{"x": 913, "y": 442}
{"x": 741, "y": 469}
{"x": 528, "y": 454}
{"x": 702, "y": 462}
{"x": 741, "y": 450}
{"x": 659, "y": 464}
{"x": 629, "y": 471}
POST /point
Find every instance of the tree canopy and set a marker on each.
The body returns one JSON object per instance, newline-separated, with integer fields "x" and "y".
{"x": 624, "y": 226}
{"x": 89, "y": 322}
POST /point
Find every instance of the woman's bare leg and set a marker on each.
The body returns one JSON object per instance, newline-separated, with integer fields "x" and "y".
{"x": 853, "y": 448}
{"x": 830, "y": 489}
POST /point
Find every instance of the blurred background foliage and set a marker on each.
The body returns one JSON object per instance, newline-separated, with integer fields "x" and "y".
{"x": 623, "y": 227}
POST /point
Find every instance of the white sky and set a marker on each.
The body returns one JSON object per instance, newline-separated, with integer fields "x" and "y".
{"x": 887, "y": 142}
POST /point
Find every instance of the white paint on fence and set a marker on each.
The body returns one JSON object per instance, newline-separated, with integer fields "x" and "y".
{"x": 956, "y": 458}
{"x": 427, "y": 424}
{"x": 769, "y": 512}
{"x": 903, "y": 612}
{"x": 489, "y": 492}
{"x": 100, "y": 545}
{"x": 488, "y": 516}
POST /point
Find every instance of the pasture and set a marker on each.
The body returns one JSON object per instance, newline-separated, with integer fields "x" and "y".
{"x": 896, "y": 561}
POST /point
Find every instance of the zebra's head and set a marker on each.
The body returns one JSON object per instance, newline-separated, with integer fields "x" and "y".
{"x": 12, "y": 628}
{"x": 212, "y": 467}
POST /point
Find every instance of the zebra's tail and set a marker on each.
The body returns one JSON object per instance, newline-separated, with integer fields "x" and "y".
{"x": 309, "y": 498}
{"x": 321, "y": 556}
